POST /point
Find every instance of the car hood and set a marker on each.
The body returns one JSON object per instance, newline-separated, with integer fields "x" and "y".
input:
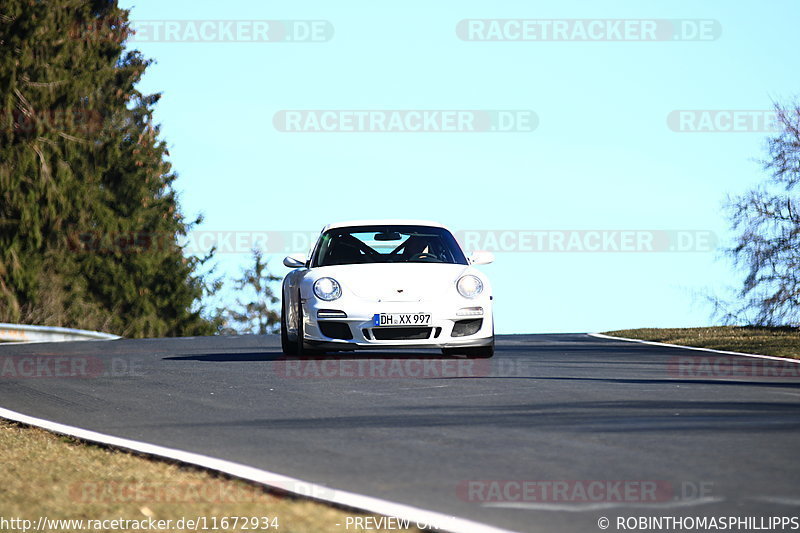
{"x": 396, "y": 282}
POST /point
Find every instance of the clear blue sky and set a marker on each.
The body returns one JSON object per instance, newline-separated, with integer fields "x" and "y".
{"x": 601, "y": 158}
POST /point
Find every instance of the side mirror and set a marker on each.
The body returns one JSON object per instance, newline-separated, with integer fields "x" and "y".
{"x": 481, "y": 257}
{"x": 294, "y": 260}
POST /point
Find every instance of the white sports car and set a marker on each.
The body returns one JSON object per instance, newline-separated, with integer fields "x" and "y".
{"x": 387, "y": 284}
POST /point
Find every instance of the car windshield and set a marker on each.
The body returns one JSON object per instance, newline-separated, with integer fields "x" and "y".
{"x": 387, "y": 244}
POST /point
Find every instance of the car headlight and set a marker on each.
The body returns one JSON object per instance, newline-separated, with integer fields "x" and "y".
{"x": 469, "y": 286}
{"x": 327, "y": 289}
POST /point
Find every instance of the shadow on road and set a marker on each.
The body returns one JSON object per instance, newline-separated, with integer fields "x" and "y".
{"x": 575, "y": 417}
{"x": 262, "y": 356}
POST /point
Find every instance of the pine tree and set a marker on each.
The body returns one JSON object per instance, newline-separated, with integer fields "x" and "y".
{"x": 88, "y": 216}
{"x": 256, "y": 316}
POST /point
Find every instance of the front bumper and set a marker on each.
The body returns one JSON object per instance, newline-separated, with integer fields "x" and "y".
{"x": 447, "y": 329}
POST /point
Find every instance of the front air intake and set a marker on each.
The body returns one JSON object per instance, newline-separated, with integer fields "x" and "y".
{"x": 336, "y": 330}
{"x": 464, "y": 328}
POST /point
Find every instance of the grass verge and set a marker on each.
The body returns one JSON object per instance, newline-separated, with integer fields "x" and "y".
{"x": 58, "y": 477}
{"x": 776, "y": 341}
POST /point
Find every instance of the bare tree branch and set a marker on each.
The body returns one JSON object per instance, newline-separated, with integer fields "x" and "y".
{"x": 768, "y": 244}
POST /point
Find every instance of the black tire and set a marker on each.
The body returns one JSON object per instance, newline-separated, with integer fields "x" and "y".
{"x": 288, "y": 347}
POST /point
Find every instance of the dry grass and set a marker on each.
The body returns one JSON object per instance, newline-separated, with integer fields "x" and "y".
{"x": 57, "y": 477}
{"x": 781, "y": 342}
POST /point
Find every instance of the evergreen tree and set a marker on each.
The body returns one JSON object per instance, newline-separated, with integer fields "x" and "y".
{"x": 88, "y": 216}
{"x": 256, "y": 315}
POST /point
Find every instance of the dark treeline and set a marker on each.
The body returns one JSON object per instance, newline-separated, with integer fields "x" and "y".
{"x": 88, "y": 216}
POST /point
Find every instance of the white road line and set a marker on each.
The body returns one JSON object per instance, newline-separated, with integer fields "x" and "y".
{"x": 654, "y": 343}
{"x": 794, "y": 502}
{"x": 305, "y": 489}
{"x": 600, "y": 506}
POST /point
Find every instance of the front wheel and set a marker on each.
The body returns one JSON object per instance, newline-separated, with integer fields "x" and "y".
{"x": 287, "y": 346}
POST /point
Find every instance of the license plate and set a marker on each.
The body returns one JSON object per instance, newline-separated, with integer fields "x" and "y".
{"x": 401, "y": 319}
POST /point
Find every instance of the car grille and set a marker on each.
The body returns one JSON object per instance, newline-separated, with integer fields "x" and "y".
{"x": 400, "y": 334}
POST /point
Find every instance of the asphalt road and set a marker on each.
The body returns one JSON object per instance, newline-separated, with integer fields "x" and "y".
{"x": 413, "y": 428}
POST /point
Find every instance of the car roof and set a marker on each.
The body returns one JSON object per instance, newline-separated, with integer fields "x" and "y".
{"x": 382, "y": 222}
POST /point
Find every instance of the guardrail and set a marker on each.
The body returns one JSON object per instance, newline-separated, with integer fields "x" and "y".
{"x": 26, "y": 333}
